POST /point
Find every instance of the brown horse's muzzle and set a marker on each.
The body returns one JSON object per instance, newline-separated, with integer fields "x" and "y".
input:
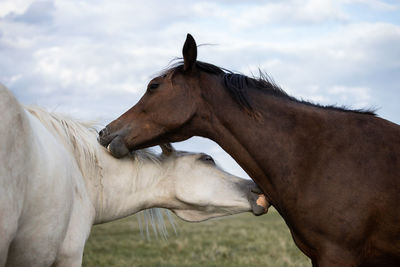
{"x": 113, "y": 142}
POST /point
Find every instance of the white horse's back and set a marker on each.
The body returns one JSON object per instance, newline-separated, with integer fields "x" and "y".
{"x": 36, "y": 188}
{"x": 14, "y": 151}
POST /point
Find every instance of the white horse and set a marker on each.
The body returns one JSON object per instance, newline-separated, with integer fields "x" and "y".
{"x": 56, "y": 182}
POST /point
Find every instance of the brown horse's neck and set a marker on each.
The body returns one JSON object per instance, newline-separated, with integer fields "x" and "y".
{"x": 270, "y": 145}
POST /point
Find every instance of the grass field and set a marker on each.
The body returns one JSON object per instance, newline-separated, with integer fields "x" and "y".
{"x": 240, "y": 240}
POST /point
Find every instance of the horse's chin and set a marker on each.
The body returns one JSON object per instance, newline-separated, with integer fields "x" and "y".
{"x": 117, "y": 148}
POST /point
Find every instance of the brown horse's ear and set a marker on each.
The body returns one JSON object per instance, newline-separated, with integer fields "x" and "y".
{"x": 189, "y": 52}
{"x": 167, "y": 149}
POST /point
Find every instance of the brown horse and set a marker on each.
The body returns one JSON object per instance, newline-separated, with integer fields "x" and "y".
{"x": 332, "y": 173}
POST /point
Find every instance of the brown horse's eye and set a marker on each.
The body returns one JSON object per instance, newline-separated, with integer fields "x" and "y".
{"x": 152, "y": 87}
{"x": 207, "y": 159}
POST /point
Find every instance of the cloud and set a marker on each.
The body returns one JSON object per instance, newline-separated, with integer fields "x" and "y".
{"x": 358, "y": 97}
{"x": 290, "y": 12}
{"x": 375, "y": 4}
{"x": 36, "y": 13}
{"x": 14, "y": 7}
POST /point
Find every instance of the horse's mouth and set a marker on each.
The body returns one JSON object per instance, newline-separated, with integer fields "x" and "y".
{"x": 258, "y": 202}
{"x": 115, "y": 145}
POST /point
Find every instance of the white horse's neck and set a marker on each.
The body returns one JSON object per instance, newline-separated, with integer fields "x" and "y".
{"x": 116, "y": 187}
{"x": 126, "y": 186}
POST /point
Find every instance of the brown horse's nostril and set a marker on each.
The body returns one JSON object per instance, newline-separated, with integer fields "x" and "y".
{"x": 104, "y": 139}
{"x": 103, "y": 132}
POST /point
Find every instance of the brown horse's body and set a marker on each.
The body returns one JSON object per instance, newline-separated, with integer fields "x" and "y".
{"x": 333, "y": 174}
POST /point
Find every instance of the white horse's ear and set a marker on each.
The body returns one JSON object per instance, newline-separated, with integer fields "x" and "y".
{"x": 167, "y": 149}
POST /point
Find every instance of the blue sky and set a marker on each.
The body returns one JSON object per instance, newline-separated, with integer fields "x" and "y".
{"x": 92, "y": 59}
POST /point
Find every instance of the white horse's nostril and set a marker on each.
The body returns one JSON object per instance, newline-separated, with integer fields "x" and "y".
{"x": 262, "y": 201}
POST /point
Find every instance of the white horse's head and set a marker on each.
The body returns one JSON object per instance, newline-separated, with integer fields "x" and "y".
{"x": 198, "y": 189}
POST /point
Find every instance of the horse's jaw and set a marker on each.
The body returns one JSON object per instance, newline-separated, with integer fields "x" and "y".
{"x": 200, "y": 215}
{"x": 257, "y": 205}
{"x": 196, "y": 216}
{"x": 117, "y": 148}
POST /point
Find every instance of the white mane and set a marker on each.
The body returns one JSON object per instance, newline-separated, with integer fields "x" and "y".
{"x": 79, "y": 137}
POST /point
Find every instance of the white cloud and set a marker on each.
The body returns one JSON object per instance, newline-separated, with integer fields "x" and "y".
{"x": 376, "y": 4}
{"x": 294, "y": 11}
{"x": 15, "y": 6}
{"x": 358, "y": 97}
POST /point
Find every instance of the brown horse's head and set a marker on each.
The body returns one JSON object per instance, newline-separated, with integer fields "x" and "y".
{"x": 164, "y": 113}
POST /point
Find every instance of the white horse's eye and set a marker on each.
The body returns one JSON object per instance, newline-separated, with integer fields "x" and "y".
{"x": 207, "y": 158}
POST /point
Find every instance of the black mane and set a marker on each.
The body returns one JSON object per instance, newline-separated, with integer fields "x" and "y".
{"x": 237, "y": 85}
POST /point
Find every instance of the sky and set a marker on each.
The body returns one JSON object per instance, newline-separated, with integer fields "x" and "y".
{"x": 92, "y": 59}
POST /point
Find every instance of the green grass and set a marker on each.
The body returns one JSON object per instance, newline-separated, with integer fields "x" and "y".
{"x": 240, "y": 240}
